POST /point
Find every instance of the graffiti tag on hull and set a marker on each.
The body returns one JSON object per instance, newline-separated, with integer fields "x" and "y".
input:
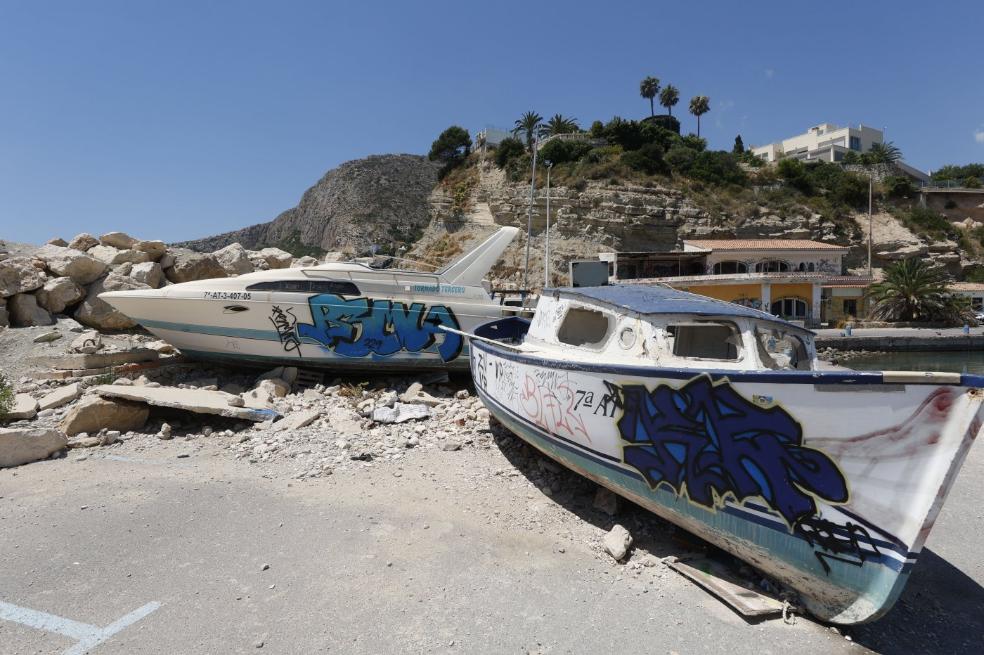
{"x": 707, "y": 441}
{"x": 359, "y": 327}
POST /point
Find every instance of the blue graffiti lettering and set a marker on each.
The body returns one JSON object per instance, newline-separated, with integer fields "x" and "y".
{"x": 708, "y": 441}
{"x": 358, "y": 327}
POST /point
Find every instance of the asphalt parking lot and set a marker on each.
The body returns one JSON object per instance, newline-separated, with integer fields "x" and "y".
{"x": 142, "y": 554}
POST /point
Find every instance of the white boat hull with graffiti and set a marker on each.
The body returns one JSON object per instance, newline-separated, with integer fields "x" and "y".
{"x": 339, "y": 315}
{"x": 830, "y": 481}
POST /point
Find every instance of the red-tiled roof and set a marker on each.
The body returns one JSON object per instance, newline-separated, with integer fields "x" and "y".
{"x": 762, "y": 244}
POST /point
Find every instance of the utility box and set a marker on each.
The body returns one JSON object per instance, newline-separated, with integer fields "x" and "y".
{"x": 588, "y": 273}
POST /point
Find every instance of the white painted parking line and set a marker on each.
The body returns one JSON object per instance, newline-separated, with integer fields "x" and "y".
{"x": 88, "y": 636}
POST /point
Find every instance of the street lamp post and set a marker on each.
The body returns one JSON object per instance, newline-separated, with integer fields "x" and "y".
{"x": 529, "y": 223}
{"x": 546, "y": 253}
{"x": 870, "y": 236}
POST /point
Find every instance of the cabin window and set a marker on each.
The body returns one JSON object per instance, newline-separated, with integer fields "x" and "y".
{"x": 781, "y": 351}
{"x": 730, "y": 268}
{"x": 336, "y": 287}
{"x": 705, "y": 340}
{"x": 584, "y": 327}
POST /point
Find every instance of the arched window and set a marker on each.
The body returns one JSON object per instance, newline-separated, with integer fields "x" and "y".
{"x": 802, "y": 267}
{"x": 812, "y": 267}
{"x": 772, "y": 266}
{"x": 730, "y": 268}
{"x": 790, "y": 308}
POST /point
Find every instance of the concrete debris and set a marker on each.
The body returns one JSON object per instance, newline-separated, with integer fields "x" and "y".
{"x": 60, "y": 397}
{"x": 298, "y": 420}
{"x": 164, "y": 432}
{"x": 191, "y": 400}
{"x": 400, "y": 413}
{"x": 47, "y": 337}
{"x": 23, "y": 446}
{"x": 25, "y": 407}
{"x": 87, "y": 343}
{"x": 92, "y": 414}
{"x": 617, "y": 542}
{"x": 101, "y": 359}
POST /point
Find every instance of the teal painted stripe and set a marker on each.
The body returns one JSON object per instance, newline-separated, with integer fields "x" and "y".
{"x": 214, "y": 330}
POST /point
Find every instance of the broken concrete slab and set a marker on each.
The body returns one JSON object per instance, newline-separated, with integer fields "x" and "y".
{"x": 715, "y": 578}
{"x": 93, "y": 413}
{"x": 60, "y": 397}
{"x": 400, "y": 413}
{"x": 25, "y": 407}
{"x": 76, "y": 361}
{"x": 298, "y": 420}
{"x": 18, "y": 446}
{"x": 198, "y": 401}
{"x": 617, "y": 542}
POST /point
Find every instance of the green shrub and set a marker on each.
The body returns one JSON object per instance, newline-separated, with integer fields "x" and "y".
{"x": 653, "y": 133}
{"x": 559, "y": 151}
{"x": 928, "y": 222}
{"x": 6, "y": 397}
{"x": 663, "y": 121}
{"x": 451, "y": 148}
{"x": 897, "y": 186}
{"x": 694, "y": 142}
{"x": 972, "y": 182}
{"x": 648, "y": 159}
{"x": 624, "y": 133}
{"x": 952, "y": 172}
{"x": 597, "y": 130}
{"x": 717, "y": 167}
{"x": 507, "y": 150}
{"x": 680, "y": 158}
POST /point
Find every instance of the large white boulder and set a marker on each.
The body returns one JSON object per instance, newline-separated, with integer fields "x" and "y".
{"x": 155, "y": 249}
{"x": 304, "y": 262}
{"x": 99, "y": 313}
{"x": 113, "y": 256}
{"x": 234, "y": 259}
{"x": 276, "y": 258}
{"x": 190, "y": 266}
{"x": 120, "y": 240}
{"x": 19, "y": 446}
{"x": 24, "y": 311}
{"x": 149, "y": 273}
{"x": 20, "y": 275}
{"x": 82, "y": 267}
{"x": 93, "y": 413}
{"x": 59, "y": 293}
{"x": 83, "y": 242}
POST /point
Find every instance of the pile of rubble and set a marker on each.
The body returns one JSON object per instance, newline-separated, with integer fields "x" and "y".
{"x": 147, "y": 392}
{"x": 67, "y": 277}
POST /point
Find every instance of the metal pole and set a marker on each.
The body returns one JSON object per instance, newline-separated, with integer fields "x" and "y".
{"x": 870, "y": 236}
{"x": 529, "y": 223}
{"x": 546, "y": 255}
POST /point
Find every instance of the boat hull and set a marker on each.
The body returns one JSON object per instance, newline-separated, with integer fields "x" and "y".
{"x": 829, "y": 483}
{"x": 362, "y": 333}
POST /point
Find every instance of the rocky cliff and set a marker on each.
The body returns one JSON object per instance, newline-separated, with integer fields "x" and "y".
{"x": 368, "y": 201}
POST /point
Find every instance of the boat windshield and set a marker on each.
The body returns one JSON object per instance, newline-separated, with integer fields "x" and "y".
{"x": 780, "y": 350}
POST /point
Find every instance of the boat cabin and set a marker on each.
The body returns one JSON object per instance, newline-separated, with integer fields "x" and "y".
{"x": 660, "y": 326}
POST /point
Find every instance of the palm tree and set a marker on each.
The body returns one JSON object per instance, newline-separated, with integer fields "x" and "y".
{"x": 648, "y": 88}
{"x": 531, "y": 123}
{"x": 559, "y": 124}
{"x": 884, "y": 153}
{"x": 913, "y": 291}
{"x": 668, "y": 97}
{"x": 699, "y": 105}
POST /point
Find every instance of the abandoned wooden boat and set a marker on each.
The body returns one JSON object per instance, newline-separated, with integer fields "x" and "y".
{"x": 344, "y": 315}
{"x": 716, "y": 417}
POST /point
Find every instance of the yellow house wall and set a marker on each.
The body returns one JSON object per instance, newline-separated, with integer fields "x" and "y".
{"x": 729, "y": 292}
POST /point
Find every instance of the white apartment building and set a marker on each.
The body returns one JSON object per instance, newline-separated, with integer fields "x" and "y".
{"x": 825, "y": 142}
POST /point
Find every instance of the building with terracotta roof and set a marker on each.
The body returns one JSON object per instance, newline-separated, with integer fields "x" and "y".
{"x": 797, "y": 279}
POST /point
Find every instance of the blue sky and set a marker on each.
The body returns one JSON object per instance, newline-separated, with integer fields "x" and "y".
{"x": 174, "y": 120}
